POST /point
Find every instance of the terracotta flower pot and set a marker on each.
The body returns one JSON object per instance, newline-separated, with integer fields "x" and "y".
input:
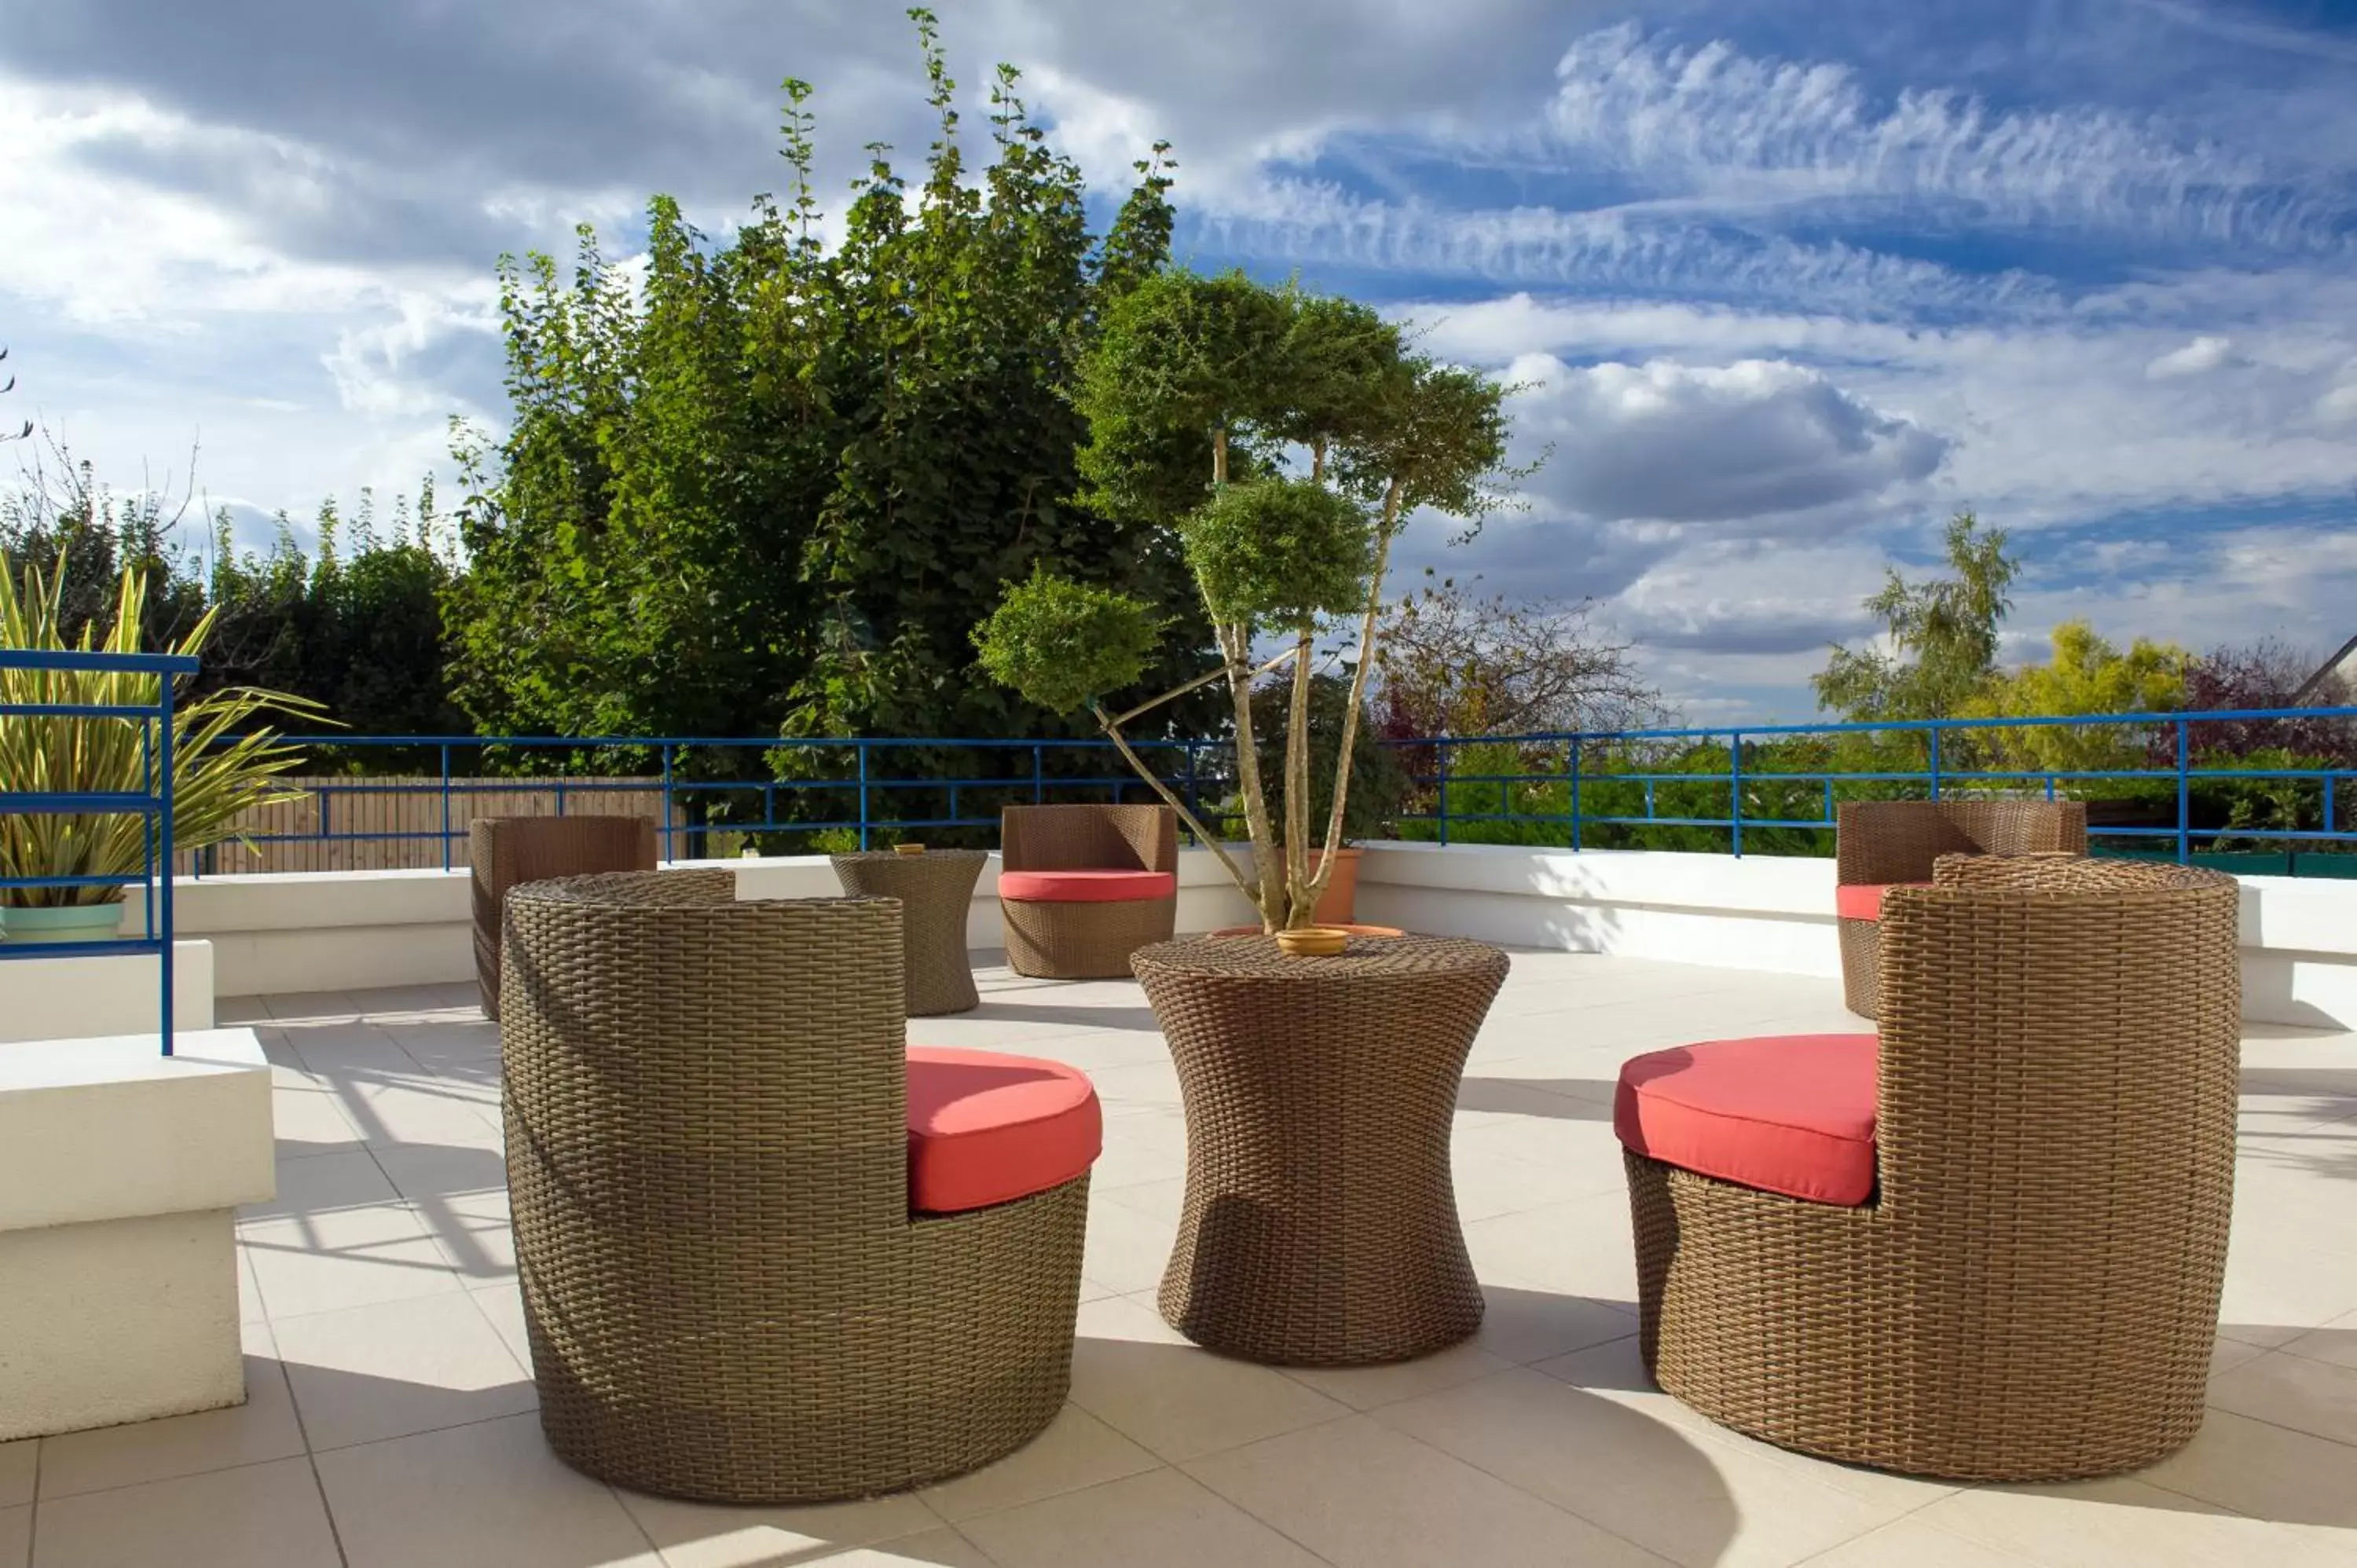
{"x": 1338, "y": 903}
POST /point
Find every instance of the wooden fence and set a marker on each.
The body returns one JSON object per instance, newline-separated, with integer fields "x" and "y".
{"x": 394, "y": 823}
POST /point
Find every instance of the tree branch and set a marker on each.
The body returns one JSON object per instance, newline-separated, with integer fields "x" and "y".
{"x": 1204, "y": 835}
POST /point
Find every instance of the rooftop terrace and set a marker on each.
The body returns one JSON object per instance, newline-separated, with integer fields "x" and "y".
{"x": 391, "y": 1415}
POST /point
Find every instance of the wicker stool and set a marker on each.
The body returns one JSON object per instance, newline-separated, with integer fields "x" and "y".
{"x": 507, "y": 851}
{"x": 936, "y": 893}
{"x": 1882, "y": 844}
{"x": 1090, "y": 940}
{"x": 726, "y": 1293}
{"x": 2032, "y": 1292}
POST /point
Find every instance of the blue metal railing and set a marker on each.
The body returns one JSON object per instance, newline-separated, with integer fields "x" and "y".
{"x": 152, "y": 802}
{"x": 866, "y": 782}
{"x": 867, "y": 777}
{"x": 1944, "y": 742}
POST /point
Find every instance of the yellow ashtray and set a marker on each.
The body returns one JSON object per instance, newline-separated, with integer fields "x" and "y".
{"x": 1312, "y": 941}
{"x": 908, "y": 849}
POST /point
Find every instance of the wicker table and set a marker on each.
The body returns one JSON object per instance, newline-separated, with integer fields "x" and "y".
{"x": 1320, "y": 1221}
{"x": 936, "y": 892}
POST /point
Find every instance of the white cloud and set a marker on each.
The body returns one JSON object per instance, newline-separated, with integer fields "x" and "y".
{"x": 2204, "y": 353}
{"x": 1747, "y": 442}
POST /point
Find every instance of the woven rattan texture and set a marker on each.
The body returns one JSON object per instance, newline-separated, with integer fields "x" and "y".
{"x": 1086, "y": 941}
{"x": 726, "y": 1296}
{"x": 506, "y": 851}
{"x": 1878, "y": 842}
{"x": 936, "y": 893}
{"x": 1320, "y": 1227}
{"x": 2033, "y": 1292}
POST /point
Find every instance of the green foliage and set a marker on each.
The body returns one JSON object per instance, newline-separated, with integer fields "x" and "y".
{"x": 1064, "y": 644}
{"x": 771, "y": 487}
{"x": 2086, "y": 676}
{"x": 1279, "y": 554}
{"x": 1379, "y": 783}
{"x": 1944, "y": 630}
{"x": 226, "y": 758}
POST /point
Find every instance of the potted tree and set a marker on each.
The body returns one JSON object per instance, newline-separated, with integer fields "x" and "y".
{"x": 225, "y": 762}
{"x": 1281, "y": 440}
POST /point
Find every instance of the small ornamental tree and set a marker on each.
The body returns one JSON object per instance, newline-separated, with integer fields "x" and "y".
{"x": 1282, "y": 439}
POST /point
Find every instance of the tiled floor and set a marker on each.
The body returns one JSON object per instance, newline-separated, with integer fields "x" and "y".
{"x": 390, "y": 1420}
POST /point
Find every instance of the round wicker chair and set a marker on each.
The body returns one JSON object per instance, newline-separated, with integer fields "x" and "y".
{"x": 1052, "y": 940}
{"x": 2032, "y": 1292}
{"x": 727, "y": 1295}
{"x": 1883, "y": 843}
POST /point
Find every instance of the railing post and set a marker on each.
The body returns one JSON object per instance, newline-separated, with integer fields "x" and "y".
{"x": 1935, "y": 762}
{"x": 446, "y": 807}
{"x": 1575, "y": 794}
{"x": 2184, "y": 798}
{"x": 863, "y": 794}
{"x": 164, "y": 747}
{"x": 1194, "y": 801}
{"x": 1039, "y": 775}
{"x": 1443, "y": 747}
{"x": 666, "y": 800}
{"x": 1735, "y": 788}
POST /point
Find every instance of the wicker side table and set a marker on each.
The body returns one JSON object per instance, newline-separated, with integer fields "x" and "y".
{"x": 1320, "y": 1219}
{"x": 936, "y": 891}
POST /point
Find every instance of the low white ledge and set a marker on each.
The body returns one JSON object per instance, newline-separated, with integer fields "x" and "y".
{"x": 120, "y": 1171}
{"x": 104, "y": 993}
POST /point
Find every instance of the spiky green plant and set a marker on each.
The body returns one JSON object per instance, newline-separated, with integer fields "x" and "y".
{"x": 225, "y": 760}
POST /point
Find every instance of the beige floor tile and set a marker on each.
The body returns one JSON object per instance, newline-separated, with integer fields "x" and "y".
{"x": 323, "y": 1184}
{"x": 1133, "y": 1371}
{"x": 263, "y": 1428}
{"x": 1911, "y": 1543}
{"x": 2279, "y": 1285}
{"x": 1357, "y": 1492}
{"x": 16, "y": 1537}
{"x": 1365, "y": 1387}
{"x": 2265, "y": 1471}
{"x": 19, "y": 1463}
{"x": 227, "y": 1518}
{"x": 424, "y": 1112}
{"x": 308, "y": 1118}
{"x": 2307, "y": 1395}
{"x": 2117, "y": 1523}
{"x": 250, "y": 1307}
{"x": 933, "y": 1549}
{"x": 1160, "y": 1200}
{"x": 1159, "y": 1520}
{"x": 1581, "y": 1249}
{"x": 1126, "y": 1251}
{"x": 1521, "y": 1325}
{"x": 504, "y": 1305}
{"x": 1076, "y": 1451}
{"x": 422, "y": 1171}
{"x": 701, "y": 1535}
{"x": 2335, "y": 1342}
{"x": 487, "y": 1495}
{"x": 1688, "y": 1497}
{"x": 474, "y": 1233}
{"x": 324, "y": 1262}
{"x": 395, "y": 1368}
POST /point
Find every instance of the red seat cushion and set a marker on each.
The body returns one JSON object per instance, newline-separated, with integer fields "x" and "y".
{"x": 1086, "y": 887}
{"x": 1789, "y": 1113}
{"x": 985, "y": 1128}
{"x": 1863, "y": 900}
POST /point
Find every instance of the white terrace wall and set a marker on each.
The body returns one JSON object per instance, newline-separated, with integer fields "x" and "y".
{"x": 352, "y": 930}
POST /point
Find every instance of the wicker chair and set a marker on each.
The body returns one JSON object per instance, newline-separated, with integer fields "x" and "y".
{"x": 725, "y": 1293}
{"x": 508, "y": 851}
{"x": 1884, "y": 843}
{"x": 1057, "y": 938}
{"x": 2031, "y": 1290}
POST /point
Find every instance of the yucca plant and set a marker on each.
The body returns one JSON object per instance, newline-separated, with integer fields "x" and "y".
{"x": 225, "y": 761}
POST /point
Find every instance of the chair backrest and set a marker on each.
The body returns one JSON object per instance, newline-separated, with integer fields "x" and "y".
{"x": 673, "y": 1048}
{"x": 1883, "y": 842}
{"x": 1089, "y": 838}
{"x": 2055, "y": 1027}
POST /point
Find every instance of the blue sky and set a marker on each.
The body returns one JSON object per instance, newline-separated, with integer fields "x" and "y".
{"x": 1794, "y": 281}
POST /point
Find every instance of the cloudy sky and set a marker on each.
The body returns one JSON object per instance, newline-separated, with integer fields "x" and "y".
{"x": 1796, "y": 280}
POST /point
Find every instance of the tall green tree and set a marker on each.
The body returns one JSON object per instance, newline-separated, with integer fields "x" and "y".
{"x": 1942, "y": 633}
{"x": 768, "y": 489}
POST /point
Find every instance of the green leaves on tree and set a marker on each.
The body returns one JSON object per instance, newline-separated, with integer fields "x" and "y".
{"x": 1061, "y": 644}
{"x": 1279, "y": 554}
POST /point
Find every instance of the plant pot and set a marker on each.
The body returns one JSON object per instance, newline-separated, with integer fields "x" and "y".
{"x": 1338, "y": 903}
{"x": 1312, "y": 941}
{"x": 65, "y": 923}
{"x": 1355, "y": 930}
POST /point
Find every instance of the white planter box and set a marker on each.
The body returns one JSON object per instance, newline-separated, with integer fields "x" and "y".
{"x": 105, "y": 993}
{"x": 120, "y": 1170}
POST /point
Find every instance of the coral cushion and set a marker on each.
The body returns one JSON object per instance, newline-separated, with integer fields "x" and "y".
{"x": 1863, "y": 901}
{"x": 985, "y": 1128}
{"x": 1789, "y": 1113}
{"x": 1085, "y": 887}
